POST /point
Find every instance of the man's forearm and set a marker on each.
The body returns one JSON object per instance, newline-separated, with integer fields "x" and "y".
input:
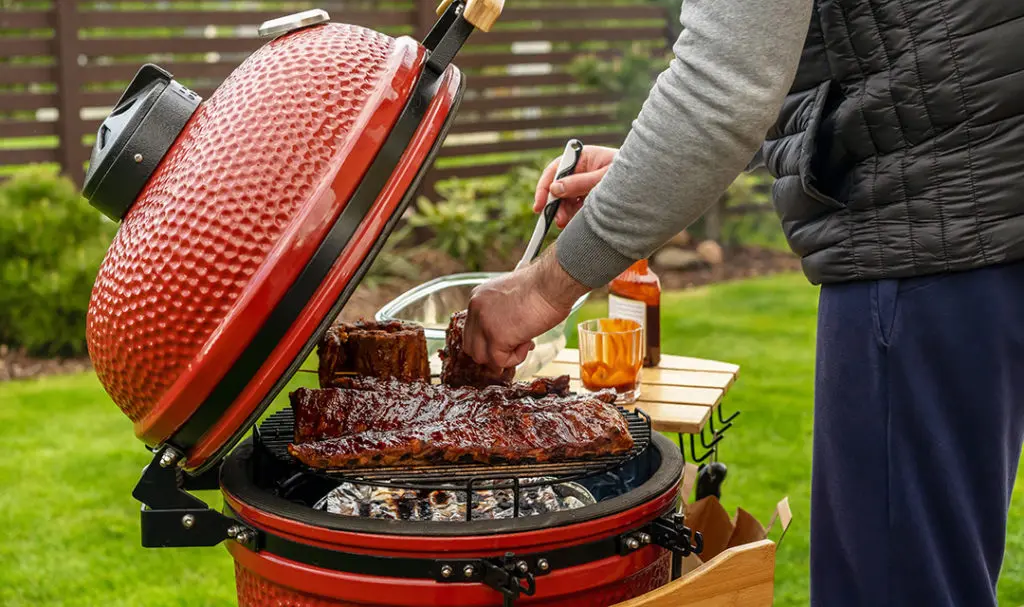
{"x": 701, "y": 126}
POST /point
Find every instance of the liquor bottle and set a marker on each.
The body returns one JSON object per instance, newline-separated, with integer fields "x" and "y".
{"x": 636, "y": 295}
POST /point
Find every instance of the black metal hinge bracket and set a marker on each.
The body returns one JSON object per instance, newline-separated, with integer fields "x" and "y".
{"x": 173, "y": 518}
{"x": 669, "y": 531}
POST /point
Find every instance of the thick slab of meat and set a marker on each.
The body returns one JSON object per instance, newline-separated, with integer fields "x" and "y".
{"x": 537, "y": 387}
{"x": 372, "y": 404}
{"x": 391, "y": 349}
{"x": 360, "y": 428}
{"x": 459, "y": 369}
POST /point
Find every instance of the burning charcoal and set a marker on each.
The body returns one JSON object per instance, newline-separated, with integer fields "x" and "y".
{"x": 384, "y": 510}
{"x": 571, "y": 503}
{"x": 446, "y": 506}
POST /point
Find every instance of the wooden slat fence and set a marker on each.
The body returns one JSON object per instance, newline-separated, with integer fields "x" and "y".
{"x": 63, "y": 64}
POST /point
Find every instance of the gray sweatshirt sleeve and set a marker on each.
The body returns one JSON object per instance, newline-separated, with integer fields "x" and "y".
{"x": 701, "y": 126}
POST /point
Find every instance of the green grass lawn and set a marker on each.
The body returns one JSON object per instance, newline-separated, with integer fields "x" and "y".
{"x": 70, "y": 526}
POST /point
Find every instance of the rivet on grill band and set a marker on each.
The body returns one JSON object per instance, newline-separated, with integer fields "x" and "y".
{"x": 446, "y": 571}
{"x": 138, "y": 158}
{"x": 543, "y": 565}
{"x": 468, "y": 571}
{"x": 645, "y": 538}
{"x": 632, "y": 543}
{"x": 187, "y": 521}
{"x": 522, "y": 566}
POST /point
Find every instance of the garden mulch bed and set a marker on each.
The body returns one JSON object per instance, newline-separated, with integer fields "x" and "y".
{"x": 742, "y": 262}
{"x": 16, "y": 365}
{"x": 739, "y": 263}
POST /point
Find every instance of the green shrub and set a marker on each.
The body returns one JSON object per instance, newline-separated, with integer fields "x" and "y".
{"x": 512, "y": 204}
{"x": 459, "y": 224}
{"x": 393, "y": 262}
{"x": 629, "y": 76}
{"x": 474, "y": 218}
{"x": 747, "y": 225}
{"x": 51, "y": 245}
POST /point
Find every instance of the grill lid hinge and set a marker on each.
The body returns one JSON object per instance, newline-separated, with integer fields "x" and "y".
{"x": 173, "y": 518}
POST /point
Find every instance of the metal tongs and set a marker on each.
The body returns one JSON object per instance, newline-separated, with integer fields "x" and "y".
{"x": 567, "y": 166}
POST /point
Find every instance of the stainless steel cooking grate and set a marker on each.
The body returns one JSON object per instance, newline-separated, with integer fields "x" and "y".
{"x": 277, "y": 431}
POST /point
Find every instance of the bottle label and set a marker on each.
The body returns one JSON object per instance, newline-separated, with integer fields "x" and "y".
{"x": 630, "y": 309}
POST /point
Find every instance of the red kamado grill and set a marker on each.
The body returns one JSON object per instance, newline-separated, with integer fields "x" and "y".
{"x": 247, "y": 220}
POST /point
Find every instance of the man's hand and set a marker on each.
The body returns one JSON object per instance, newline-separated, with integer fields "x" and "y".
{"x": 573, "y": 190}
{"x": 506, "y": 313}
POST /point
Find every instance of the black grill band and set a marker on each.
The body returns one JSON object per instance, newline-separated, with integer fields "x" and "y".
{"x": 427, "y": 568}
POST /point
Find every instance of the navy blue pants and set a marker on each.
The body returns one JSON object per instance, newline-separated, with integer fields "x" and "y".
{"x": 919, "y": 418}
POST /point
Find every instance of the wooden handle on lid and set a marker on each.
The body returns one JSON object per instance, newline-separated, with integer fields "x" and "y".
{"x": 481, "y": 13}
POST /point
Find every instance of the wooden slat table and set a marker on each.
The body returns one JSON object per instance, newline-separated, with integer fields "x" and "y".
{"x": 680, "y": 394}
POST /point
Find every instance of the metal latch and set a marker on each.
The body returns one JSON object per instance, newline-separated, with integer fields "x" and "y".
{"x": 509, "y": 575}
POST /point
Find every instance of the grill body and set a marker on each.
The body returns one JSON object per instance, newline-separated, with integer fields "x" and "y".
{"x": 297, "y": 561}
{"x": 266, "y": 580}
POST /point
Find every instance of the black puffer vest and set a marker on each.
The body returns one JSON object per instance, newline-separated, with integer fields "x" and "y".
{"x": 900, "y": 148}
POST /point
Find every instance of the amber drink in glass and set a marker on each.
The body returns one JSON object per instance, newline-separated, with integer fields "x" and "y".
{"x": 612, "y": 357}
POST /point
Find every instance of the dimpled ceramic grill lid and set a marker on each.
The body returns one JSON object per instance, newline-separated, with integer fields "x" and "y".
{"x": 248, "y": 218}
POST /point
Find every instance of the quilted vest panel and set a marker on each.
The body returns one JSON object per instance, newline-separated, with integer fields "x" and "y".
{"x": 899, "y": 150}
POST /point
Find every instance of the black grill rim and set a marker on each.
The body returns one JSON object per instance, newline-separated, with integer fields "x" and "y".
{"x": 238, "y": 472}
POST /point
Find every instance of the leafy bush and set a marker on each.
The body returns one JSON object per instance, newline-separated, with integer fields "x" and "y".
{"x": 392, "y": 262}
{"x": 753, "y": 221}
{"x": 459, "y": 224}
{"x": 630, "y": 77}
{"x": 51, "y": 245}
{"x": 475, "y": 218}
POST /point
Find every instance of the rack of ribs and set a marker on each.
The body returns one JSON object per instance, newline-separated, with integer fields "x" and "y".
{"x": 391, "y": 349}
{"x": 459, "y": 369}
{"x": 415, "y": 425}
{"x": 358, "y": 404}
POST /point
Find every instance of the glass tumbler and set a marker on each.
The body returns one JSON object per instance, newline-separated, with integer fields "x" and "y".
{"x": 612, "y": 357}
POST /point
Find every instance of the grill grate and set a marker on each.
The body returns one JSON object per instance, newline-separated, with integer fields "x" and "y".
{"x": 277, "y": 431}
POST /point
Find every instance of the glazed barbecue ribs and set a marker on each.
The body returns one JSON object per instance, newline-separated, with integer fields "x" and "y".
{"x": 415, "y": 425}
{"x": 458, "y": 369}
{"x": 391, "y": 349}
{"x": 372, "y": 404}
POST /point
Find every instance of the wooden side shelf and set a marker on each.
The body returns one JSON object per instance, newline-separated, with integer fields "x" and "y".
{"x": 679, "y": 394}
